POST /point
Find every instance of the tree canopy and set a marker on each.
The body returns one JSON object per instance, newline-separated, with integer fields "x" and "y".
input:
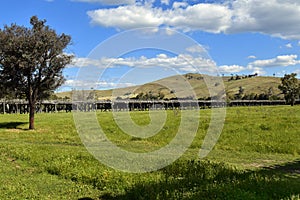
{"x": 290, "y": 87}
{"x": 32, "y": 61}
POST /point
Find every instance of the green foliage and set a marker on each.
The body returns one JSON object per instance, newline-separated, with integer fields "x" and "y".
{"x": 32, "y": 60}
{"x": 240, "y": 93}
{"x": 150, "y": 96}
{"x": 290, "y": 88}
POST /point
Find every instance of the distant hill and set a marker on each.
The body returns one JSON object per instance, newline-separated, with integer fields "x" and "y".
{"x": 250, "y": 85}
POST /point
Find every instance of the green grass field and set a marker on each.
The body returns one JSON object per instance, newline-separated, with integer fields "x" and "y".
{"x": 256, "y": 157}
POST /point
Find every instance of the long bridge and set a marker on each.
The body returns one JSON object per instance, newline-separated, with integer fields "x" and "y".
{"x": 22, "y": 107}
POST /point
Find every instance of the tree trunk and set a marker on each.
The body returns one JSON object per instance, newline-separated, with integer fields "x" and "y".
{"x": 31, "y": 115}
{"x": 293, "y": 102}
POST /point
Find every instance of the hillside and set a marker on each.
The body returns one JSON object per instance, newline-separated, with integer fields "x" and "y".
{"x": 170, "y": 87}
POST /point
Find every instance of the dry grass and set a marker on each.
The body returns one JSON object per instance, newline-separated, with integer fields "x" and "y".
{"x": 256, "y": 85}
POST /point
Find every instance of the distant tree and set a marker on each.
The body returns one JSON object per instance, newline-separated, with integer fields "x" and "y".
{"x": 66, "y": 98}
{"x": 263, "y": 96}
{"x": 3, "y": 91}
{"x": 252, "y": 96}
{"x": 237, "y": 77}
{"x": 139, "y": 96}
{"x": 270, "y": 92}
{"x": 240, "y": 93}
{"x": 290, "y": 87}
{"x": 32, "y": 60}
{"x": 161, "y": 95}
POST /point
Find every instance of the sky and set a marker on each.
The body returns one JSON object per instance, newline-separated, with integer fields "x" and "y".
{"x": 128, "y": 42}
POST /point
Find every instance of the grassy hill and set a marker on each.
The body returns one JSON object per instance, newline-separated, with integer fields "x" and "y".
{"x": 182, "y": 85}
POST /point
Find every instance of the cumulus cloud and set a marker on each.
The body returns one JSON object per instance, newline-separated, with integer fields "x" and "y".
{"x": 187, "y": 63}
{"x": 231, "y": 68}
{"x": 279, "y": 61}
{"x": 258, "y": 70}
{"x": 259, "y": 66}
{"x": 273, "y": 17}
{"x": 181, "y": 62}
{"x": 127, "y": 17}
{"x": 208, "y": 17}
{"x": 80, "y": 84}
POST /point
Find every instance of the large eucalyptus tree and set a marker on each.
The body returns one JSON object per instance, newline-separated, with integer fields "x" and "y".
{"x": 32, "y": 60}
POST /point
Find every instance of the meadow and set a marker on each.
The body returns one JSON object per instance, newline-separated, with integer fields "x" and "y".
{"x": 256, "y": 157}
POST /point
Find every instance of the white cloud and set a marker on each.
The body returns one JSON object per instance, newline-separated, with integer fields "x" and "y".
{"x": 166, "y": 2}
{"x": 258, "y": 66}
{"x": 208, "y": 17}
{"x": 187, "y": 63}
{"x": 273, "y": 17}
{"x": 182, "y": 62}
{"x": 196, "y": 49}
{"x": 231, "y": 68}
{"x": 252, "y": 57}
{"x": 80, "y": 84}
{"x": 177, "y": 5}
{"x": 127, "y": 17}
{"x": 260, "y": 71}
{"x": 289, "y": 45}
{"x": 108, "y": 2}
{"x": 279, "y": 61}
{"x": 83, "y": 62}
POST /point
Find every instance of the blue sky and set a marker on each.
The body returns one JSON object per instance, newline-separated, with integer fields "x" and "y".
{"x": 238, "y": 36}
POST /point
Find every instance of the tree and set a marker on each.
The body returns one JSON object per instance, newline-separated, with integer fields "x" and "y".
{"x": 290, "y": 88}
{"x": 240, "y": 94}
{"x": 32, "y": 60}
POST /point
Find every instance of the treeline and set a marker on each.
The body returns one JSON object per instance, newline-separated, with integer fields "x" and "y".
{"x": 46, "y": 96}
{"x": 239, "y": 77}
{"x": 241, "y": 95}
{"x": 149, "y": 96}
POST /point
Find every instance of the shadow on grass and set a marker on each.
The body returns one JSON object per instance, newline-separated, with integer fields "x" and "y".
{"x": 291, "y": 167}
{"x": 207, "y": 180}
{"x": 11, "y": 125}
